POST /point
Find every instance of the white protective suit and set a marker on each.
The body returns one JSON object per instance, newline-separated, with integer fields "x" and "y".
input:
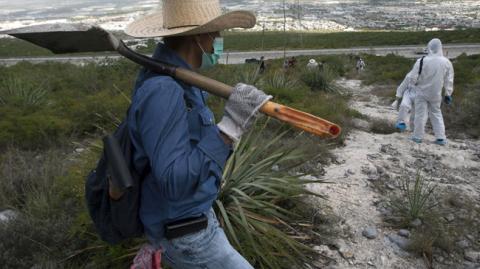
{"x": 312, "y": 64}
{"x": 406, "y": 91}
{"x": 437, "y": 73}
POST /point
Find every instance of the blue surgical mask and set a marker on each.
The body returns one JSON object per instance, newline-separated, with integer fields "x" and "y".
{"x": 210, "y": 59}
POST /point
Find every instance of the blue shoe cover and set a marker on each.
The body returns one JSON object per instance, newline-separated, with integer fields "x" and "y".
{"x": 416, "y": 140}
{"x": 401, "y": 126}
{"x": 441, "y": 142}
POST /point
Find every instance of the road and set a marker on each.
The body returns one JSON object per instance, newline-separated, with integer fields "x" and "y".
{"x": 451, "y": 51}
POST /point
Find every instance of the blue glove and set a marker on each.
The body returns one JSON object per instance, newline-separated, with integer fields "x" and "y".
{"x": 448, "y": 100}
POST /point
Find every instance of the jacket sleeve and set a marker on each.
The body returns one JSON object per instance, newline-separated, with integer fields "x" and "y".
{"x": 410, "y": 80}
{"x": 448, "y": 83}
{"x": 177, "y": 166}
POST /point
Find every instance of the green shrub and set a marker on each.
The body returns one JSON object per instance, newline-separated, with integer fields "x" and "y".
{"x": 379, "y": 126}
{"x": 248, "y": 75}
{"x": 320, "y": 79}
{"x": 45, "y": 209}
{"x": 417, "y": 199}
{"x": 251, "y": 204}
{"x": 15, "y": 91}
{"x": 279, "y": 80}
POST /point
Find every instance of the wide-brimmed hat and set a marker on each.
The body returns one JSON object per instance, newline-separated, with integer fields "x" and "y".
{"x": 189, "y": 17}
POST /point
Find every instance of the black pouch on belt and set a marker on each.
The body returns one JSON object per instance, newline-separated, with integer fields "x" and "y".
{"x": 185, "y": 226}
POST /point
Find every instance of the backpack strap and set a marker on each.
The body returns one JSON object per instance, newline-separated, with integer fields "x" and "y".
{"x": 421, "y": 66}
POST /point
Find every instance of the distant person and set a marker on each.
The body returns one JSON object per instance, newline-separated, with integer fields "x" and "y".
{"x": 360, "y": 65}
{"x": 437, "y": 73}
{"x": 312, "y": 65}
{"x": 262, "y": 66}
{"x": 321, "y": 65}
{"x": 285, "y": 64}
{"x": 292, "y": 62}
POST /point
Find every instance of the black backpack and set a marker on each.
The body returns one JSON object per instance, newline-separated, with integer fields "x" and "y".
{"x": 116, "y": 220}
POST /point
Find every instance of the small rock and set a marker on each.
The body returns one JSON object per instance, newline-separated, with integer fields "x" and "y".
{"x": 370, "y": 233}
{"x": 394, "y": 159}
{"x": 385, "y": 211}
{"x": 390, "y": 186}
{"x": 463, "y": 147}
{"x": 309, "y": 177}
{"x": 361, "y": 124}
{"x": 404, "y": 233}
{"x": 79, "y": 150}
{"x": 7, "y": 215}
{"x": 470, "y": 237}
{"x": 473, "y": 256}
{"x": 380, "y": 169}
{"x": 343, "y": 249}
{"x": 275, "y": 168}
{"x": 463, "y": 244}
{"x": 402, "y": 242}
{"x": 450, "y": 217}
{"x": 439, "y": 259}
{"x": 374, "y": 156}
{"x": 350, "y": 171}
{"x": 324, "y": 250}
{"x": 415, "y": 223}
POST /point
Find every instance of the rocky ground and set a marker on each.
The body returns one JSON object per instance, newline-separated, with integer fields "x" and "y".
{"x": 367, "y": 174}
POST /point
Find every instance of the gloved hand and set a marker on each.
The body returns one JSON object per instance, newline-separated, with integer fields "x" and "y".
{"x": 396, "y": 104}
{"x": 241, "y": 109}
{"x": 448, "y": 100}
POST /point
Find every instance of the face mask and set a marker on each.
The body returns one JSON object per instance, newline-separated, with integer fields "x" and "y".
{"x": 210, "y": 59}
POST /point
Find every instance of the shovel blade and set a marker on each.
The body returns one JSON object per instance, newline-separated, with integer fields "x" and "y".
{"x": 67, "y": 38}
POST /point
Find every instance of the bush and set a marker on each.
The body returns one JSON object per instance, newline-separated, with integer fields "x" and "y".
{"x": 417, "y": 199}
{"x": 252, "y": 204}
{"x": 21, "y": 92}
{"x": 52, "y": 102}
{"x": 279, "y": 80}
{"x": 320, "y": 79}
{"x": 45, "y": 209}
{"x": 378, "y": 126}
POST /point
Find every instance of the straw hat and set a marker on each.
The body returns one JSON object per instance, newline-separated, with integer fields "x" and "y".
{"x": 312, "y": 61}
{"x": 189, "y": 17}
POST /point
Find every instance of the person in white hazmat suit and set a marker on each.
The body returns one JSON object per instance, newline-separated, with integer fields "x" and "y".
{"x": 312, "y": 64}
{"x": 405, "y": 93}
{"x": 437, "y": 73}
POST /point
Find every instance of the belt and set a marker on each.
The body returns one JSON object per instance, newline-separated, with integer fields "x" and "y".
{"x": 184, "y": 227}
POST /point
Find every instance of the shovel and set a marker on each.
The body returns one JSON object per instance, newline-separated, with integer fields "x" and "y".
{"x": 70, "y": 38}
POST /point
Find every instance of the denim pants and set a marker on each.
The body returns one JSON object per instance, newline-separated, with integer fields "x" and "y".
{"x": 207, "y": 249}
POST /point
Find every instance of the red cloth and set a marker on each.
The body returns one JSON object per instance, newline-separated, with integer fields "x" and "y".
{"x": 148, "y": 258}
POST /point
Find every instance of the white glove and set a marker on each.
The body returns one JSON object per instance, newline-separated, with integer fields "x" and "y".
{"x": 240, "y": 110}
{"x": 394, "y": 105}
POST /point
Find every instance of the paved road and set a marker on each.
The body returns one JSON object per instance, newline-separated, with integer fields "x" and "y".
{"x": 451, "y": 51}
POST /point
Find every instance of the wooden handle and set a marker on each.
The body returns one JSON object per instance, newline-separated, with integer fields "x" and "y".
{"x": 296, "y": 118}
{"x": 302, "y": 120}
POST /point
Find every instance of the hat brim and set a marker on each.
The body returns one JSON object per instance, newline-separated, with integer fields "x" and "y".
{"x": 152, "y": 25}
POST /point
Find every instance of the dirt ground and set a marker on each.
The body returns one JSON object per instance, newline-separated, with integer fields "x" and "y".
{"x": 366, "y": 174}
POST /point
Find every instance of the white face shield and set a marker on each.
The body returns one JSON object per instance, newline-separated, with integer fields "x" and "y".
{"x": 435, "y": 47}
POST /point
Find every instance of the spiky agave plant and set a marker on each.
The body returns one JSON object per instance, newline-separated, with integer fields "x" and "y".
{"x": 16, "y": 91}
{"x": 321, "y": 80}
{"x": 250, "y": 203}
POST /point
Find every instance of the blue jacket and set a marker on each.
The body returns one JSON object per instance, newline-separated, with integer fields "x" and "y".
{"x": 175, "y": 132}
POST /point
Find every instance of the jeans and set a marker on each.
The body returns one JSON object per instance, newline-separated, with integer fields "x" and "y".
{"x": 207, "y": 249}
